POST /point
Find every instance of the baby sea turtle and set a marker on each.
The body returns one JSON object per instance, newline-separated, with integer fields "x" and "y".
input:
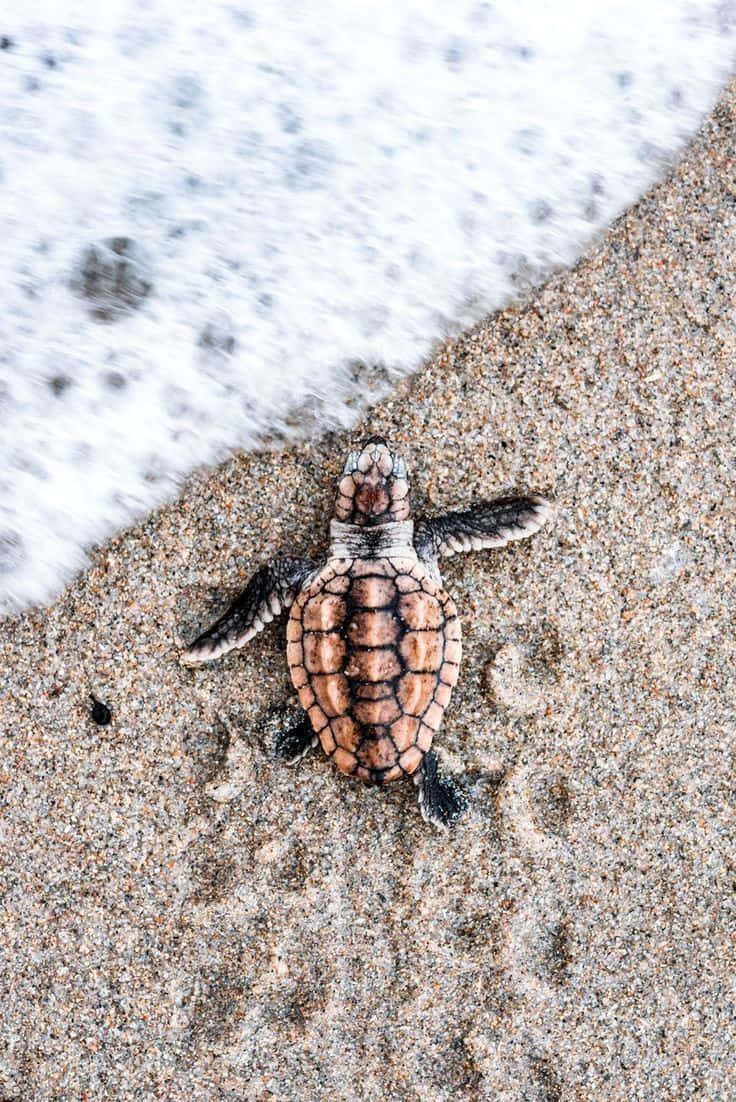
{"x": 373, "y": 639}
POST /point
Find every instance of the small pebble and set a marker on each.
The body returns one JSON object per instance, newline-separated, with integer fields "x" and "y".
{"x": 100, "y": 712}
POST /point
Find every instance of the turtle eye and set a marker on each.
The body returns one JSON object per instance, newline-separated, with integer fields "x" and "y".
{"x": 399, "y": 468}
{"x": 351, "y": 463}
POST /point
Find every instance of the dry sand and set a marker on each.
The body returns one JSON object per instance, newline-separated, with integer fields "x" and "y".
{"x": 184, "y": 918}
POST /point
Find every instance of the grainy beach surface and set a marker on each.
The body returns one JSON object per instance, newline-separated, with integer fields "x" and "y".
{"x": 184, "y": 918}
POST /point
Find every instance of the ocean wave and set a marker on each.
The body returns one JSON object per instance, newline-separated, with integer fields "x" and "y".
{"x": 222, "y": 223}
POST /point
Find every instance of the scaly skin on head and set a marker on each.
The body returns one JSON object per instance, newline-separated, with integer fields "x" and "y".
{"x": 374, "y": 488}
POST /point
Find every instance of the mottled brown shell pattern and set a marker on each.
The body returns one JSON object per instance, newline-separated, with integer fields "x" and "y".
{"x": 373, "y": 647}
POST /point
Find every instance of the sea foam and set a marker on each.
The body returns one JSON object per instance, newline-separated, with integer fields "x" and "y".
{"x": 220, "y": 221}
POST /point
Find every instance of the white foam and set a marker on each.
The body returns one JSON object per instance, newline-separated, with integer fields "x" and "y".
{"x": 318, "y": 183}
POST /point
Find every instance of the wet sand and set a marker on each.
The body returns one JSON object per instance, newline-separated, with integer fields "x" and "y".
{"x": 183, "y": 917}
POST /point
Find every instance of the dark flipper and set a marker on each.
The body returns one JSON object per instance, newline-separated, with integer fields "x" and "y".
{"x": 271, "y": 589}
{"x": 293, "y": 744}
{"x": 487, "y": 524}
{"x": 441, "y": 801}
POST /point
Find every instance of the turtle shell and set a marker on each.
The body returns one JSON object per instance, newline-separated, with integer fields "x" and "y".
{"x": 373, "y": 647}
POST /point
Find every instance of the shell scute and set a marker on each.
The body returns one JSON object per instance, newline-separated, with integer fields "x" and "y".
{"x": 323, "y": 612}
{"x": 299, "y": 678}
{"x": 433, "y": 715}
{"x": 378, "y": 754}
{"x": 323, "y": 653}
{"x": 344, "y": 760}
{"x": 373, "y": 690}
{"x": 370, "y": 712}
{"x": 424, "y": 738}
{"x": 422, "y": 650}
{"x": 404, "y": 731}
{"x": 346, "y": 732}
{"x": 340, "y": 584}
{"x": 421, "y": 610}
{"x": 317, "y": 718}
{"x": 373, "y": 665}
{"x": 410, "y": 759}
{"x": 332, "y": 692}
{"x": 452, "y": 629}
{"x": 327, "y": 740}
{"x": 415, "y": 692}
{"x": 448, "y": 674}
{"x": 307, "y": 697}
{"x": 372, "y": 591}
{"x": 442, "y": 694}
{"x": 374, "y": 629}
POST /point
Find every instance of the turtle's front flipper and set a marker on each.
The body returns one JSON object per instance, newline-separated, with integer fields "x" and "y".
{"x": 487, "y": 524}
{"x": 293, "y": 744}
{"x": 271, "y": 589}
{"x": 441, "y": 801}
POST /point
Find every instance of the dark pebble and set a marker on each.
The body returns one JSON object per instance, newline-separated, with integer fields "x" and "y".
{"x": 100, "y": 712}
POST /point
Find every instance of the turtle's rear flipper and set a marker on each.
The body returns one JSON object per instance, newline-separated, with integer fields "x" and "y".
{"x": 293, "y": 744}
{"x": 270, "y": 590}
{"x": 441, "y": 801}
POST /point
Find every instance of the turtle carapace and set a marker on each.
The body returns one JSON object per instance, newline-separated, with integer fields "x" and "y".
{"x": 373, "y": 640}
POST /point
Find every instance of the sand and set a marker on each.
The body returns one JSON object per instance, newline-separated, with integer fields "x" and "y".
{"x": 183, "y": 917}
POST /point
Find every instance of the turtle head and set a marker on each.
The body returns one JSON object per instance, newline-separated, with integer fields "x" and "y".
{"x": 374, "y": 488}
